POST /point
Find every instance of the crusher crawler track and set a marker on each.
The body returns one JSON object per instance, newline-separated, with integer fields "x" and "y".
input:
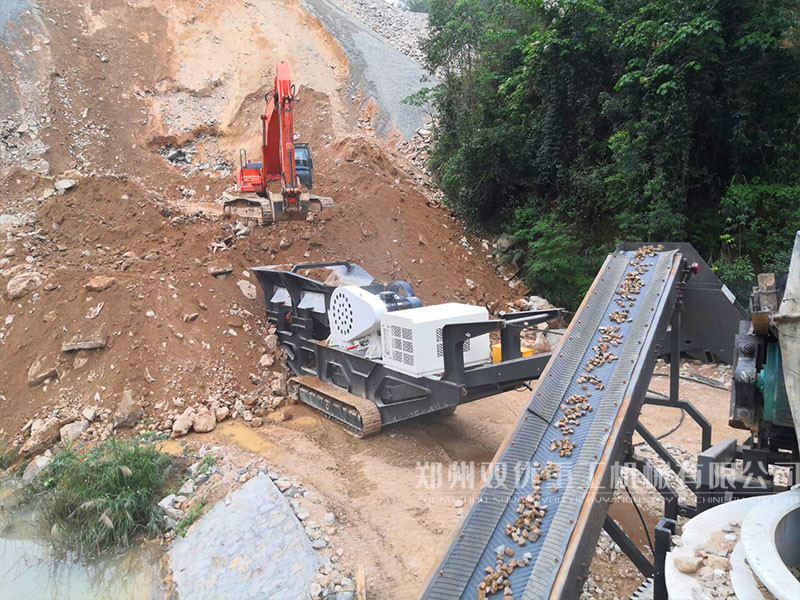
{"x": 531, "y": 532}
{"x": 360, "y": 416}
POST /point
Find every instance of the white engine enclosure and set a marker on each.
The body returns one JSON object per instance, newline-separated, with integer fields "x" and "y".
{"x": 355, "y": 314}
{"x": 412, "y": 338}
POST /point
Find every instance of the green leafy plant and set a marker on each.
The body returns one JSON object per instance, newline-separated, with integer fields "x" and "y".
{"x": 8, "y": 452}
{"x": 737, "y": 274}
{"x": 105, "y": 497}
{"x": 194, "y": 513}
{"x": 208, "y": 462}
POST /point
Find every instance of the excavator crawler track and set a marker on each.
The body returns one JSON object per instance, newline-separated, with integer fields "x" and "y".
{"x": 360, "y": 416}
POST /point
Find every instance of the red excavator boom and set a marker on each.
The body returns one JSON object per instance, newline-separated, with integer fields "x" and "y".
{"x": 277, "y": 144}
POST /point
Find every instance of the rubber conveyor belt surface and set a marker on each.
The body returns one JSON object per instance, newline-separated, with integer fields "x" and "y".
{"x": 580, "y": 474}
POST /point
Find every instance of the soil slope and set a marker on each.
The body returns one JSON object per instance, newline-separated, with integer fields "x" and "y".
{"x": 128, "y": 84}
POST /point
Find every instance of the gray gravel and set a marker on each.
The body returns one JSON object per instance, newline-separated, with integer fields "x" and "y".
{"x": 377, "y": 68}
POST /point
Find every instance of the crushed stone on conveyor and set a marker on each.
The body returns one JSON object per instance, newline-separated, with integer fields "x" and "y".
{"x": 527, "y": 527}
{"x": 537, "y": 506}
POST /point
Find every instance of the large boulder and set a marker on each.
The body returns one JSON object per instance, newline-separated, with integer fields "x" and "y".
{"x": 44, "y": 433}
{"x": 128, "y": 411}
{"x": 23, "y": 283}
{"x": 183, "y": 423}
{"x": 272, "y": 343}
{"x": 203, "y": 420}
{"x": 222, "y": 413}
{"x": 36, "y": 466}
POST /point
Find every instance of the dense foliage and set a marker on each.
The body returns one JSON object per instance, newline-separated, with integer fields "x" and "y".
{"x": 106, "y": 496}
{"x": 573, "y": 124}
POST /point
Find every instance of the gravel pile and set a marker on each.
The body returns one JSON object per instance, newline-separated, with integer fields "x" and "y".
{"x": 403, "y": 30}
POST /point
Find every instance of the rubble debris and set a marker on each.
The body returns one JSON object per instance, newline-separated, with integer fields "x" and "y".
{"x": 44, "y": 433}
{"x": 128, "y": 412}
{"x": 79, "y": 341}
{"x": 100, "y": 283}
{"x": 219, "y": 270}
{"x": 40, "y": 371}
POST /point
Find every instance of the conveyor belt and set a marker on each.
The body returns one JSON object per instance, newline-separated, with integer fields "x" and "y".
{"x": 569, "y": 507}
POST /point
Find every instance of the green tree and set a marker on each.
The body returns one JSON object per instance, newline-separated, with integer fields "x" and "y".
{"x": 614, "y": 119}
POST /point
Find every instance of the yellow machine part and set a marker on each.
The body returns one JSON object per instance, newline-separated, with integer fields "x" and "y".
{"x": 496, "y": 357}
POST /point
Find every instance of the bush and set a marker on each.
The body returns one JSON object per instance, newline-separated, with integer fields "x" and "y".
{"x": 8, "y": 452}
{"x": 557, "y": 263}
{"x": 761, "y": 221}
{"x": 105, "y": 497}
{"x": 738, "y": 275}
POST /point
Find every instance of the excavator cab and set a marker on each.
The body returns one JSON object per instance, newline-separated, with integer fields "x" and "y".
{"x": 304, "y": 165}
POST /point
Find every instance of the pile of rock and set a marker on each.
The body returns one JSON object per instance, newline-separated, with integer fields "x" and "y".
{"x": 711, "y": 565}
{"x": 268, "y": 400}
{"x": 178, "y": 156}
{"x": 69, "y": 424}
{"x": 20, "y": 144}
{"x": 418, "y": 149}
{"x": 402, "y": 29}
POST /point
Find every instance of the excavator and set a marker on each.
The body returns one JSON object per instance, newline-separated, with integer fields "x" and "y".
{"x": 281, "y": 160}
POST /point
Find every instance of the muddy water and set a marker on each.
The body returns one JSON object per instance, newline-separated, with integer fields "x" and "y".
{"x": 31, "y": 569}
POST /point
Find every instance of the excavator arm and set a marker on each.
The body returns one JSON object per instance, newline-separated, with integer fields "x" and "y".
{"x": 293, "y": 202}
{"x": 277, "y": 144}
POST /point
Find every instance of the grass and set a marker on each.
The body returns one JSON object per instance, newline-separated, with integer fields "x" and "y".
{"x": 8, "y": 452}
{"x": 208, "y": 462}
{"x": 190, "y": 517}
{"x": 105, "y": 497}
{"x": 149, "y": 437}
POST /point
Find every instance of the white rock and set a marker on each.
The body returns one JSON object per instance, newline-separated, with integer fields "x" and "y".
{"x": 248, "y": 289}
{"x": 22, "y": 284}
{"x": 687, "y": 564}
{"x": 73, "y": 431}
{"x": 35, "y": 467}
{"x": 63, "y": 185}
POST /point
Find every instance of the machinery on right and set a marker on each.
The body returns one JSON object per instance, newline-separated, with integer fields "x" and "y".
{"x": 532, "y": 530}
{"x": 747, "y": 521}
